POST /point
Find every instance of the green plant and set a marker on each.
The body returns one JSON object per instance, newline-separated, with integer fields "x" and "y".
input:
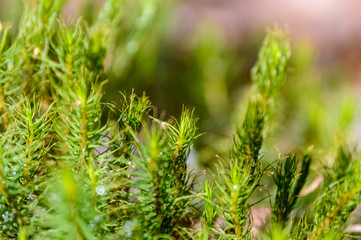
{"x": 289, "y": 184}
{"x": 75, "y": 167}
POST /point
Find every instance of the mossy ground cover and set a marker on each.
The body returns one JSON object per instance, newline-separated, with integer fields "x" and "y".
{"x": 73, "y": 166}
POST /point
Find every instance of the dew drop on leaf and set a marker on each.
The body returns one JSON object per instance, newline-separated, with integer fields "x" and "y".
{"x": 100, "y": 189}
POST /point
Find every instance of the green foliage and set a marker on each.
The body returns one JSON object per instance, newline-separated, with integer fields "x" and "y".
{"x": 342, "y": 190}
{"x": 75, "y": 167}
{"x": 162, "y": 182}
{"x": 289, "y": 183}
{"x": 268, "y": 74}
{"x": 239, "y": 178}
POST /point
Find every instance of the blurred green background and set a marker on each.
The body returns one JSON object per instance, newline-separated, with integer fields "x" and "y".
{"x": 200, "y": 53}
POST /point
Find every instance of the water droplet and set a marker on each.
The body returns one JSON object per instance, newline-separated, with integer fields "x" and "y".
{"x": 31, "y": 197}
{"x": 235, "y": 187}
{"x": 124, "y": 119}
{"x": 129, "y": 227}
{"x": 36, "y": 52}
{"x": 97, "y": 219}
{"x": 160, "y": 154}
{"x": 130, "y": 163}
{"x": 14, "y": 173}
{"x": 8, "y": 216}
{"x": 100, "y": 189}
